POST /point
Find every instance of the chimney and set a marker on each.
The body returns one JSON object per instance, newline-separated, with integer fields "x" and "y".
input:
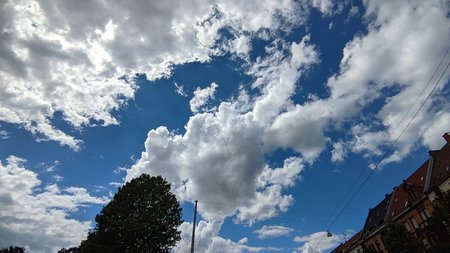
{"x": 447, "y": 137}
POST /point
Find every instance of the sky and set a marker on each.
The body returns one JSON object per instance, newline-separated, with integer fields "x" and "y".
{"x": 269, "y": 113}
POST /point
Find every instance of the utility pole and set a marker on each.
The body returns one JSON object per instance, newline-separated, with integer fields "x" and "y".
{"x": 193, "y": 227}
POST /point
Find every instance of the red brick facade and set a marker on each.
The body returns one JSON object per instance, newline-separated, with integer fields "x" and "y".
{"x": 410, "y": 203}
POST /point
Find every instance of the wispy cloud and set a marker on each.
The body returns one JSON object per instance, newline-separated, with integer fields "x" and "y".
{"x": 179, "y": 89}
{"x": 201, "y": 97}
{"x": 4, "y": 135}
{"x": 273, "y": 231}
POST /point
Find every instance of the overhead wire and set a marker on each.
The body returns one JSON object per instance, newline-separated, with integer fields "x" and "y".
{"x": 393, "y": 131}
{"x": 421, "y": 92}
{"x": 390, "y": 148}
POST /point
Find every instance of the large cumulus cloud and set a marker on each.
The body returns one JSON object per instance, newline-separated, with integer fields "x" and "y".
{"x": 222, "y": 154}
{"x": 80, "y": 58}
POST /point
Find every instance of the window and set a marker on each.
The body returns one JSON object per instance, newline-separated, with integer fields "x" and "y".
{"x": 406, "y": 203}
{"x": 414, "y": 222}
{"x": 427, "y": 213}
{"x": 412, "y": 195}
{"x": 407, "y": 226}
{"x": 422, "y": 214}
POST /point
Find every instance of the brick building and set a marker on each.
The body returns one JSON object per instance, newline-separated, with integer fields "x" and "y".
{"x": 350, "y": 246}
{"x": 409, "y": 204}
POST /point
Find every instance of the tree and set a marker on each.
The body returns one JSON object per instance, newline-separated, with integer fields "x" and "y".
{"x": 12, "y": 249}
{"x": 143, "y": 216}
{"x": 397, "y": 239}
{"x": 70, "y": 250}
{"x": 368, "y": 249}
{"x": 439, "y": 222}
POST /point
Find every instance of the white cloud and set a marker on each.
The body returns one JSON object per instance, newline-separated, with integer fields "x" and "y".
{"x": 330, "y": 25}
{"x": 339, "y": 152}
{"x": 273, "y": 231}
{"x": 58, "y": 178}
{"x": 221, "y": 154}
{"x": 432, "y": 137}
{"x": 302, "y": 128}
{"x": 368, "y": 142}
{"x": 218, "y": 158}
{"x": 179, "y": 89}
{"x": 201, "y": 97}
{"x": 32, "y": 214}
{"x": 404, "y": 43}
{"x": 4, "y": 135}
{"x": 69, "y": 58}
{"x": 285, "y": 176}
{"x": 241, "y": 46}
{"x": 354, "y": 11}
{"x": 80, "y": 59}
{"x": 50, "y": 166}
{"x": 119, "y": 170}
{"x": 276, "y": 75}
{"x": 94, "y": 45}
{"x": 266, "y": 204}
{"x": 207, "y": 240}
{"x": 116, "y": 184}
{"x": 324, "y": 6}
{"x": 318, "y": 242}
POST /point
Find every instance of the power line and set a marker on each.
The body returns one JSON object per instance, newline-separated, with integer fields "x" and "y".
{"x": 393, "y": 131}
{"x": 389, "y": 149}
{"x": 421, "y": 92}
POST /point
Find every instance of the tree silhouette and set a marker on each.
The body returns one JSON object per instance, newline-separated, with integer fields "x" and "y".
{"x": 397, "y": 239}
{"x": 12, "y": 249}
{"x": 439, "y": 223}
{"x": 143, "y": 216}
{"x": 70, "y": 250}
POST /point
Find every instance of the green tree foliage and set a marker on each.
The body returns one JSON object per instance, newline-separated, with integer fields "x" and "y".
{"x": 439, "y": 223}
{"x": 12, "y": 249}
{"x": 143, "y": 216}
{"x": 397, "y": 239}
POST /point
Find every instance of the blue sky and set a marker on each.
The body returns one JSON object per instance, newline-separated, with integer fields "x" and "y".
{"x": 265, "y": 112}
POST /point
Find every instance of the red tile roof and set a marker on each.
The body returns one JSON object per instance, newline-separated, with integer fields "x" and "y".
{"x": 376, "y": 216}
{"x": 348, "y": 245}
{"x": 408, "y": 192}
{"x": 441, "y": 164}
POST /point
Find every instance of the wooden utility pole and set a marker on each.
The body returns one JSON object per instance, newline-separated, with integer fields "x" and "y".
{"x": 193, "y": 227}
